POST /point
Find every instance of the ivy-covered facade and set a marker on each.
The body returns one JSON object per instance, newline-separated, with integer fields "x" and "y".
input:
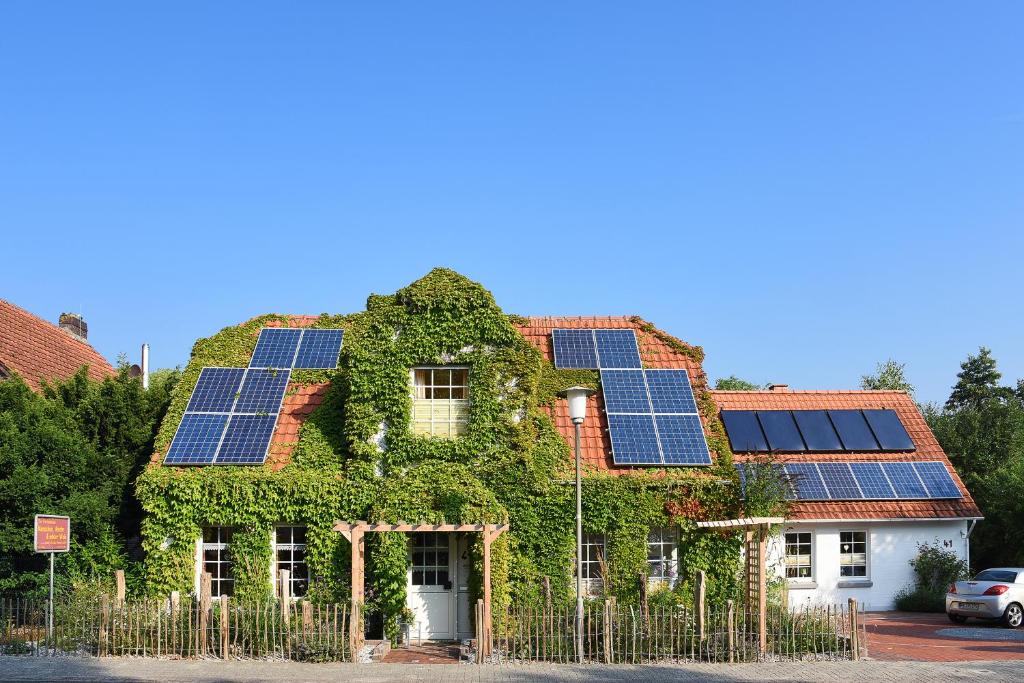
{"x": 443, "y": 410}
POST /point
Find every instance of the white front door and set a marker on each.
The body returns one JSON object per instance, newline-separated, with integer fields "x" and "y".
{"x": 431, "y": 597}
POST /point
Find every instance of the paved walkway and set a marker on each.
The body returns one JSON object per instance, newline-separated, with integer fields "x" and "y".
{"x": 897, "y": 636}
{"x": 123, "y": 670}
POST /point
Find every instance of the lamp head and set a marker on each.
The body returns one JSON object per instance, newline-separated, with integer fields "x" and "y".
{"x": 577, "y": 398}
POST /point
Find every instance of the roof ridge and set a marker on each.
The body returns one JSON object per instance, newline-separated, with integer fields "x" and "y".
{"x": 46, "y": 322}
{"x": 790, "y": 392}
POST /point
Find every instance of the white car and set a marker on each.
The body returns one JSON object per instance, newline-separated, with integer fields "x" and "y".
{"x": 993, "y": 594}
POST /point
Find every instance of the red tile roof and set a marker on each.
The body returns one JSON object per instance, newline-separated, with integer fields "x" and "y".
{"x": 927, "y": 448}
{"x": 37, "y": 349}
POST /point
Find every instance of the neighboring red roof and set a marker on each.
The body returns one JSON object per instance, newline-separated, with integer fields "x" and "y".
{"x": 927, "y": 448}
{"x": 37, "y": 349}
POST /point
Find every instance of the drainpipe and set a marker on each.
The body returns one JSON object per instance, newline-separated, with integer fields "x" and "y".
{"x": 971, "y": 523}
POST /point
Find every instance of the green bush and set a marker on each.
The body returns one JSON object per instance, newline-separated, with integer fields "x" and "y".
{"x": 934, "y": 570}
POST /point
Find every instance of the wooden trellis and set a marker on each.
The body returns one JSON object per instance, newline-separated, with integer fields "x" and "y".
{"x": 355, "y": 533}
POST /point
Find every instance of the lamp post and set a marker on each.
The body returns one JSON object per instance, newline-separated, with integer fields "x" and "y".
{"x": 577, "y": 398}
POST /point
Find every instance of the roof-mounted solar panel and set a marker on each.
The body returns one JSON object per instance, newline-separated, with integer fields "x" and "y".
{"x": 262, "y": 391}
{"x": 246, "y": 440}
{"x": 574, "y": 349}
{"x": 276, "y": 348}
{"x": 780, "y": 430}
{"x": 744, "y": 431}
{"x": 196, "y": 439}
{"x": 670, "y": 391}
{"x": 682, "y": 440}
{"x": 290, "y": 347}
{"x": 319, "y": 349}
{"x": 625, "y": 391}
{"x": 617, "y": 349}
{"x": 634, "y": 441}
{"x": 216, "y": 390}
{"x": 806, "y": 481}
{"x": 853, "y": 430}
{"x": 872, "y": 480}
{"x": 817, "y": 430}
{"x": 839, "y": 481}
{"x": 890, "y": 432}
{"x": 904, "y": 480}
{"x": 937, "y": 480}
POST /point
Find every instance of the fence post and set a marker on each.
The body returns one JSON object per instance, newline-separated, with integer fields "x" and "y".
{"x": 225, "y": 626}
{"x": 307, "y": 619}
{"x": 854, "y": 634}
{"x": 175, "y": 606}
{"x": 700, "y": 590}
{"x": 104, "y": 624}
{"x": 205, "y": 593}
{"x": 731, "y": 628}
{"x": 479, "y": 631}
{"x": 119, "y": 587}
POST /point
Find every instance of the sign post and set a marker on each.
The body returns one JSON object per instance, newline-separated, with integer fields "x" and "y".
{"x": 52, "y": 535}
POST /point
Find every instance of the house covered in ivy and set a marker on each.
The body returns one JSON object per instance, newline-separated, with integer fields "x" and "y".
{"x": 443, "y": 409}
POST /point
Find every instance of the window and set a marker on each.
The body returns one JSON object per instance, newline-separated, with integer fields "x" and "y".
{"x": 290, "y": 553}
{"x": 853, "y": 553}
{"x": 430, "y": 558}
{"x": 662, "y": 560}
{"x": 798, "y": 555}
{"x": 217, "y": 560}
{"x": 592, "y": 562}
{"x": 440, "y": 401}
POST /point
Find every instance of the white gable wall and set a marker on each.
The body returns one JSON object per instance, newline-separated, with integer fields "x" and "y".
{"x": 891, "y": 546}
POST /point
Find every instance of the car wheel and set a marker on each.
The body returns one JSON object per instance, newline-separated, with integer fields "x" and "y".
{"x": 1013, "y": 617}
{"x": 957, "y": 618}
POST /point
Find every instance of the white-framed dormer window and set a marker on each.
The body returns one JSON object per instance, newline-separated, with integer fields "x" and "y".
{"x": 853, "y": 554}
{"x": 290, "y": 554}
{"x": 440, "y": 401}
{"x": 662, "y": 557}
{"x": 593, "y": 563}
{"x": 217, "y": 561}
{"x": 799, "y": 557}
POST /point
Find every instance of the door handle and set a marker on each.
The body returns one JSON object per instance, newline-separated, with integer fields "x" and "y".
{"x": 447, "y": 585}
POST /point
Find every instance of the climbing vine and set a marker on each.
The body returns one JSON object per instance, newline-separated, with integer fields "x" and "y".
{"x": 358, "y": 458}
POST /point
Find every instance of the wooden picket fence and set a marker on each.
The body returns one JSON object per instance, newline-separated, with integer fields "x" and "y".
{"x": 173, "y": 627}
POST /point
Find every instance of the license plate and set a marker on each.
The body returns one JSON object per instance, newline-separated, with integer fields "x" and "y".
{"x": 969, "y": 605}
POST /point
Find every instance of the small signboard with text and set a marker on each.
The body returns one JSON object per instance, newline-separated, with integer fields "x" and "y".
{"x": 53, "y": 534}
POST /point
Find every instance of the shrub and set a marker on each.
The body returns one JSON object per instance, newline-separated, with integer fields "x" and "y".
{"x": 934, "y": 570}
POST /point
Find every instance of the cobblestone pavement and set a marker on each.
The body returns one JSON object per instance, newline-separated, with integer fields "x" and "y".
{"x": 932, "y": 638}
{"x": 18, "y": 669}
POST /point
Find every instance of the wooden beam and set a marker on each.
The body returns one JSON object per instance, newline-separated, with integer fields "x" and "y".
{"x": 741, "y": 523}
{"x": 484, "y": 639}
{"x": 348, "y": 527}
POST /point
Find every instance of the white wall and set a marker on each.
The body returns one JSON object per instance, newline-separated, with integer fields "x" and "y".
{"x": 891, "y": 546}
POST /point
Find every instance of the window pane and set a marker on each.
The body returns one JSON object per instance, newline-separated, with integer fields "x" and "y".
{"x": 458, "y": 393}
{"x": 298, "y": 534}
{"x": 460, "y": 378}
{"x": 442, "y": 378}
{"x": 421, "y": 378}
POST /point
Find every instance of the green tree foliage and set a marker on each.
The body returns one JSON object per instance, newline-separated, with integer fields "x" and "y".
{"x": 934, "y": 569}
{"x": 889, "y": 375}
{"x": 734, "y": 383}
{"x": 978, "y": 383}
{"x": 74, "y": 450}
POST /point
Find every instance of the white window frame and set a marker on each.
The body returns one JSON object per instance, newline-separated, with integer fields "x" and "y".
{"x": 867, "y": 556}
{"x": 464, "y": 403}
{"x": 222, "y": 546}
{"x": 293, "y": 580}
{"x": 810, "y": 555}
{"x": 664, "y": 568}
{"x": 594, "y": 547}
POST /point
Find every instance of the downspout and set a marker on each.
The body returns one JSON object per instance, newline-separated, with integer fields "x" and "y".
{"x": 971, "y": 523}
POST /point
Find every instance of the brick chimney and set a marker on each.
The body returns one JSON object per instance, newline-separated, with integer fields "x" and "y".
{"x": 75, "y": 325}
{"x": 781, "y": 388}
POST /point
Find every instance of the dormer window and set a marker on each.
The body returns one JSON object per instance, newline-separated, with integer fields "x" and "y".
{"x": 440, "y": 401}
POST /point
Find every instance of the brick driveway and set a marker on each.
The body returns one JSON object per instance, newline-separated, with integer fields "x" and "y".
{"x": 902, "y": 636}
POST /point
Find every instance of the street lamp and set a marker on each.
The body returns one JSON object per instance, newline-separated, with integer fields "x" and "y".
{"x": 577, "y": 398}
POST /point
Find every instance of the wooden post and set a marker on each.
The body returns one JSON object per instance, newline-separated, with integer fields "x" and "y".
{"x": 225, "y": 627}
{"x": 307, "y": 619}
{"x": 479, "y": 613}
{"x": 119, "y": 595}
{"x": 607, "y": 631}
{"x": 854, "y": 635}
{"x": 731, "y": 627}
{"x": 355, "y": 630}
{"x": 205, "y": 591}
{"x": 104, "y": 623}
{"x": 175, "y": 607}
{"x": 284, "y": 588}
{"x": 485, "y": 636}
{"x": 643, "y": 598}
{"x": 699, "y": 590}
{"x": 762, "y": 598}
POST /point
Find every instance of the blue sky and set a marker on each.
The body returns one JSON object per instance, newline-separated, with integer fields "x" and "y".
{"x": 803, "y": 188}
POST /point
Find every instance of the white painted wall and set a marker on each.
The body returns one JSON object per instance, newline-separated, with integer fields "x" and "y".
{"x": 891, "y": 546}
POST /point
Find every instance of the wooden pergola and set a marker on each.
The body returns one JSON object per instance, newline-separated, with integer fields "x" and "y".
{"x": 755, "y": 540}
{"x": 355, "y": 533}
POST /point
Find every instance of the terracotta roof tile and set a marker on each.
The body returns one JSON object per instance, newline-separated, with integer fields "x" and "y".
{"x": 37, "y": 349}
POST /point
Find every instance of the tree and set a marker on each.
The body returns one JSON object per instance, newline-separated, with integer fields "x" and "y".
{"x": 889, "y": 375}
{"x": 734, "y": 383}
{"x": 977, "y": 382}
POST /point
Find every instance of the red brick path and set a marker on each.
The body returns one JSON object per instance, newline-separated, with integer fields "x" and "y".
{"x": 905, "y": 636}
{"x": 428, "y": 653}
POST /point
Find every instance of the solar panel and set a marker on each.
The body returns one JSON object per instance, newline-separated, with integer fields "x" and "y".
{"x": 904, "y": 480}
{"x": 872, "y": 480}
{"x": 817, "y": 430}
{"x": 196, "y": 440}
{"x": 625, "y": 391}
{"x": 780, "y": 430}
{"x": 682, "y": 440}
{"x": 938, "y": 480}
{"x": 806, "y": 481}
{"x": 275, "y": 348}
{"x": 617, "y": 349}
{"x": 246, "y": 440}
{"x": 634, "y": 441}
{"x": 853, "y": 430}
{"x": 889, "y": 431}
{"x": 216, "y": 390}
{"x": 839, "y": 480}
{"x": 670, "y": 391}
{"x": 574, "y": 349}
{"x": 744, "y": 431}
{"x": 319, "y": 349}
{"x": 262, "y": 391}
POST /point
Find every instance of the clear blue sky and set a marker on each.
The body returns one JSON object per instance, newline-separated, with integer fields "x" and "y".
{"x": 803, "y": 188}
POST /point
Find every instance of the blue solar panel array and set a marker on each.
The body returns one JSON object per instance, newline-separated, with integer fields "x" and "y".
{"x": 867, "y": 480}
{"x": 652, "y": 418}
{"x": 596, "y": 349}
{"x": 230, "y": 417}
{"x": 795, "y": 431}
{"x": 305, "y": 349}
